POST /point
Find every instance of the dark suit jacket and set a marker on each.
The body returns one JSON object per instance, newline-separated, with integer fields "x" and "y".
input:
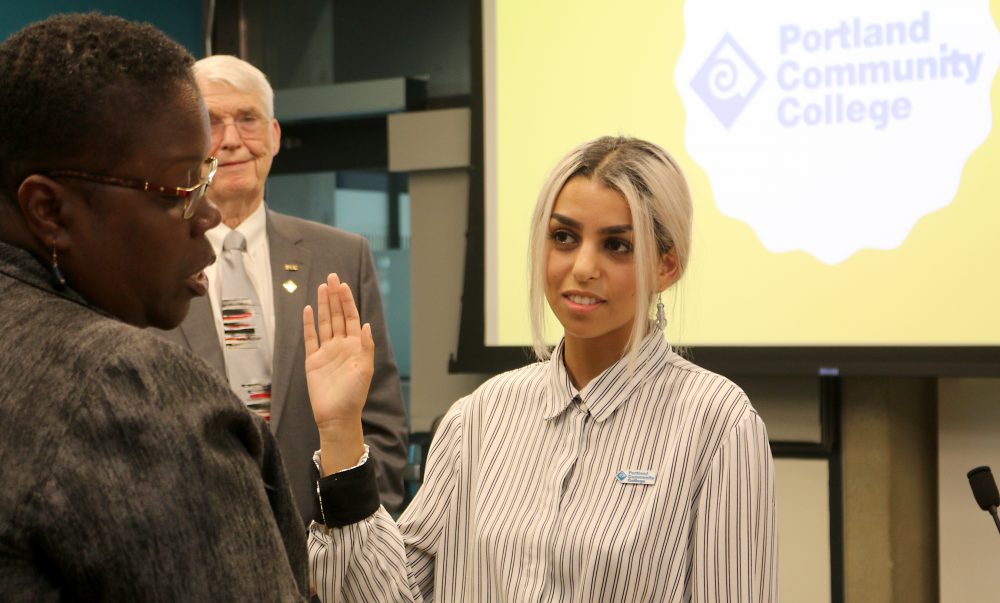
{"x": 303, "y": 253}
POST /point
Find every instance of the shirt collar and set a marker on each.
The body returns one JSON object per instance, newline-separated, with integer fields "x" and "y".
{"x": 253, "y": 228}
{"x": 609, "y": 390}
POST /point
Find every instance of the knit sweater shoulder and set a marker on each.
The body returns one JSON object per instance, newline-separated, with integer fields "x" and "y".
{"x": 129, "y": 470}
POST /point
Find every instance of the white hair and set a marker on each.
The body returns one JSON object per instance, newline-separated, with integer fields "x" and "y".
{"x": 658, "y": 200}
{"x": 240, "y": 75}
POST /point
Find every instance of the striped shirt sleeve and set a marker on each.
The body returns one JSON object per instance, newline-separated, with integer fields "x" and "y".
{"x": 376, "y": 559}
{"x": 735, "y": 536}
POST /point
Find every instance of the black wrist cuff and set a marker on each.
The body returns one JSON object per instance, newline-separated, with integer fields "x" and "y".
{"x": 348, "y": 496}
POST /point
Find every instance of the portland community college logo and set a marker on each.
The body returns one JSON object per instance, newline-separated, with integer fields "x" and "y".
{"x": 727, "y": 81}
{"x": 833, "y": 129}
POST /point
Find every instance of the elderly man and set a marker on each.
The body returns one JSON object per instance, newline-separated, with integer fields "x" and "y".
{"x": 250, "y": 326}
{"x": 130, "y": 471}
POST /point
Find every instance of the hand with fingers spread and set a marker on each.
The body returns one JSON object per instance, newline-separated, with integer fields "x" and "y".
{"x": 340, "y": 361}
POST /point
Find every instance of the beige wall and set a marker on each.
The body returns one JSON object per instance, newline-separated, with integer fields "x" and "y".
{"x": 802, "y": 495}
{"x": 433, "y": 147}
{"x": 437, "y": 254}
{"x": 890, "y": 507}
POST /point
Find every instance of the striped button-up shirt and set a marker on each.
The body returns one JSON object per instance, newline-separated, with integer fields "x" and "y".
{"x": 653, "y": 483}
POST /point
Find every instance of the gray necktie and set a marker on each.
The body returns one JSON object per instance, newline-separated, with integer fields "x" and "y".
{"x": 247, "y": 349}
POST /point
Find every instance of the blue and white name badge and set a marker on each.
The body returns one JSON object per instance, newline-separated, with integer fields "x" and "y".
{"x": 639, "y": 478}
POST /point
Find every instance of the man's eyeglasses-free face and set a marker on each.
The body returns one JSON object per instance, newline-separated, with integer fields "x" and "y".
{"x": 192, "y": 195}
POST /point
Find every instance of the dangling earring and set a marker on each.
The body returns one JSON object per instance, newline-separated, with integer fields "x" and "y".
{"x": 58, "y": 280}
{"x": 661, "y": 317}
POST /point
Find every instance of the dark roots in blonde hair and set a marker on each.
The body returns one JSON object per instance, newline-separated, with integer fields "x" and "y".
{"x": 659, "y": 202}
{"x": 613, "y": 157}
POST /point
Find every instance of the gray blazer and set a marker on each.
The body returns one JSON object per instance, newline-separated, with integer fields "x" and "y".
{"x": 303, "y": 253}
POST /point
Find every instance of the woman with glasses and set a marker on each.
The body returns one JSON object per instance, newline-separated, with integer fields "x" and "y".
{"x": 186, "y": 198}
{"x": 611, "y": 470}
{"x": 130, "y": 470}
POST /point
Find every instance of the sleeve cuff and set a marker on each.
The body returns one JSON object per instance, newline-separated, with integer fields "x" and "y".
{"x": 348, "y": 496}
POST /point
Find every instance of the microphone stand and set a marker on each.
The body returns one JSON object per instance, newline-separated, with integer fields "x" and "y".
{"x": 996, "y": 518}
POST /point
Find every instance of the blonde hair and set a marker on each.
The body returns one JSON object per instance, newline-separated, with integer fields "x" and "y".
{"x": 237, "y": 73}
{"x": 658, "y": 200}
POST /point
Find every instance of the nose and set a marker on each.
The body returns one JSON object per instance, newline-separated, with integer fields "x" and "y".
{"x": 206, "y": 217}
{"x": 585, "y": 263}
{"x": 229, "y": 137}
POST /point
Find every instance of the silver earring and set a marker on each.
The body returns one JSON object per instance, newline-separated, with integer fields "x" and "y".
{"x": 58, "y": 280}
{"x": 661, "y": 317}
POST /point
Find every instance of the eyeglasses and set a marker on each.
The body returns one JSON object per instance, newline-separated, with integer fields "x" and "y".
{"x": 250, "y": 126}
{"x": 192, "y": 195}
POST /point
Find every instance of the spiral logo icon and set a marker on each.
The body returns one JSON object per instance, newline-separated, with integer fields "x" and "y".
{"x": 723, "y": 77}
{"x": 727, "y": 80}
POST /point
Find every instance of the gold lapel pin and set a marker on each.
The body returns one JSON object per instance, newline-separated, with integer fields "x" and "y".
{"x": 291, "y": 267}
{"x": 290, "y": 286}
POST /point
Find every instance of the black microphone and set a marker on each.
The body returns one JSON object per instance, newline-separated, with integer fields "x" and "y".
{"x": 984, "y": 488}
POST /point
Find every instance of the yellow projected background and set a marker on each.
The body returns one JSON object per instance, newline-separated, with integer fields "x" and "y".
{"x": 569, "y": 71}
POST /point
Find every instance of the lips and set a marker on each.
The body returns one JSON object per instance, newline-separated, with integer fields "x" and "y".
{"x": 197, "y": 283}
{"x": 233, "y": 164}
{"x": 581, "y": 301}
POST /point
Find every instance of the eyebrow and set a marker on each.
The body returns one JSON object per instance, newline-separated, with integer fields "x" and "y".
{"x": 565, "y": 220}
{"x": 238, "y": 111}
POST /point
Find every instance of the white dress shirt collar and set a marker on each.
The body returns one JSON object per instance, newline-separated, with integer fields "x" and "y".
{"x": 606, "y": 392}
{"x": 253, "y": 228}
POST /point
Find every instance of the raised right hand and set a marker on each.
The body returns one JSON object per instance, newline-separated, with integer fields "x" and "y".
{"x": 340, "y": 361}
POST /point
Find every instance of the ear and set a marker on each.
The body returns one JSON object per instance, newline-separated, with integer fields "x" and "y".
{"x": 668, "y": 272}
{"x": 44, "y": 208}
{"x": 275, "y": 136}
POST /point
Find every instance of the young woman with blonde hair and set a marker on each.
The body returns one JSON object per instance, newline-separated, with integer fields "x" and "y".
{"x": 611, "y": 470}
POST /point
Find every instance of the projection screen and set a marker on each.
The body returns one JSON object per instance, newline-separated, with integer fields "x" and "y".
{"x": 841, "y": 156}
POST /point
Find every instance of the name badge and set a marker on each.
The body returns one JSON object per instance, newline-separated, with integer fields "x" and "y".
{"x": 639, "y": 478}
